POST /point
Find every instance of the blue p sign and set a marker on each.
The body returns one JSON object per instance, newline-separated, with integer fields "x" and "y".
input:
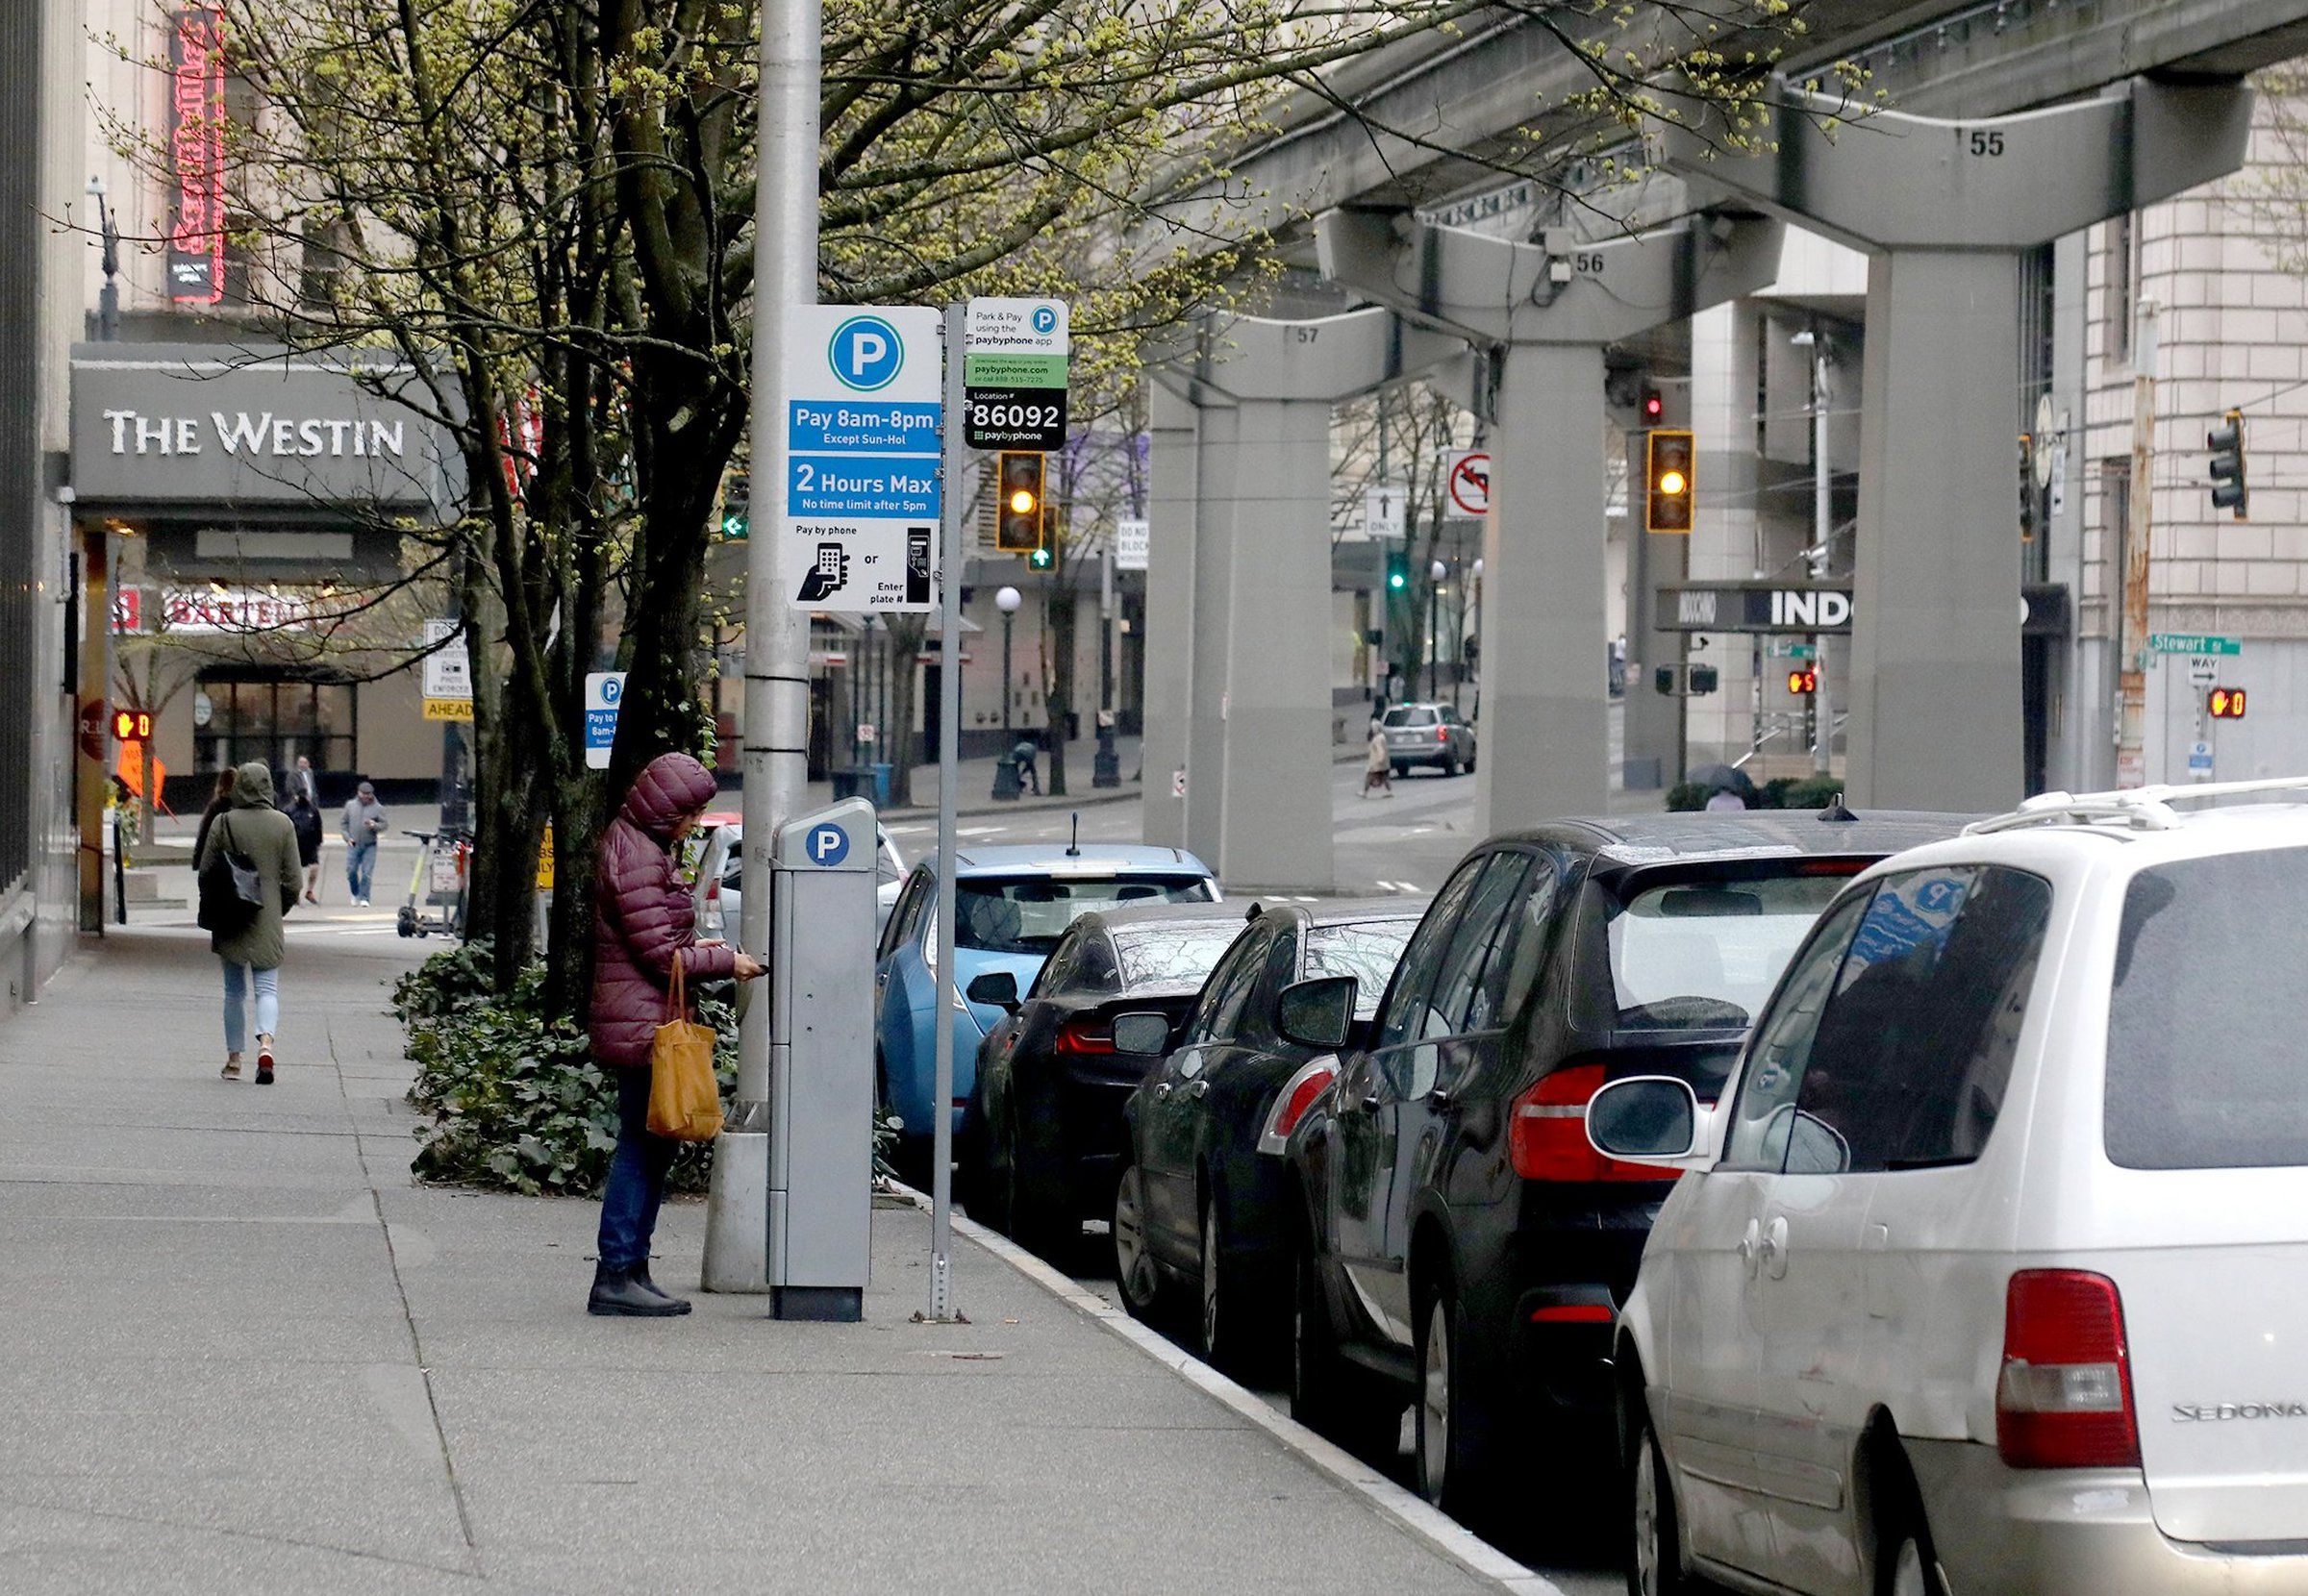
{"x": 1045, "y": 320}
{"x": 827, "y": 844}
{"x": 866, "y": 353}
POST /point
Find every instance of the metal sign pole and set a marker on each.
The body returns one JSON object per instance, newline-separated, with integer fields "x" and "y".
{"x": 949, "y": 778}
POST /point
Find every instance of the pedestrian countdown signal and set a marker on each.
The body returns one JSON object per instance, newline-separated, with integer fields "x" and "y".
{"x": 2225, "y": 703}
{"x": 132, "y": 725}
{"x": 1803, "y": 682}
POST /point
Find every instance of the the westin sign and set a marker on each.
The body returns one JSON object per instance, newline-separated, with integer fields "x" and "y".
{"x": 175, "y": 430}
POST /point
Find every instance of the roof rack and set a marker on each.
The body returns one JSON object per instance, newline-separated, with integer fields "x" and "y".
{"x": 2144, "y": 808}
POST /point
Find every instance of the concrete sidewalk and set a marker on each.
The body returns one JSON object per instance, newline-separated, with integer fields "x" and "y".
{"x": 242, "y": 1353}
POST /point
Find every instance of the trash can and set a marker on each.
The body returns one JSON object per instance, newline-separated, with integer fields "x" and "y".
{"x": 884, "y": 774}
{"x": 870, "y": 781}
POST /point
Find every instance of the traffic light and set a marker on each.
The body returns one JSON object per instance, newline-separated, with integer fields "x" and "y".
{"x": 1804, "y": 681}
{"x": 132, "y": 725}
{"x": 2229, "y": 490}
{"x": 1666, "y": 481}
{"x": 2225, "y": 703}
{"x": 1018, "y": 518}
{"x": 736, "y": 507}
{"x": 1399, "y": 571}
{"x": 1654, "y": 407}
{"x": 1704, "y": 679}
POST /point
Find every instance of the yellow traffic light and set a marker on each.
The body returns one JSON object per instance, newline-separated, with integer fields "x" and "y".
{"x": 1666, "y": 500}
{"x": 1018, "y": 519}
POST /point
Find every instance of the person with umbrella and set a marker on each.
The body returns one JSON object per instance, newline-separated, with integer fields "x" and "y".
{"x": 1728, "y": 788}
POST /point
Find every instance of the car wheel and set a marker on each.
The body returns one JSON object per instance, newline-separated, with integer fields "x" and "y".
{"x": 1231, "y": 1332}
{"x": 1135, "y": 1274}
{"x": 1905, "y": 1564}
{"x": 1655, "y": 1545}
{"x": 1450, "y": 764}
{"x": 1402, "y": 767}
{"x": 1328, "y": 1394}
{"x": 1457, "y": 1468}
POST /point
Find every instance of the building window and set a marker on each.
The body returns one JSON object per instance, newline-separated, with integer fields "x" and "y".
{"x": 2119, "y": 278}
{"x": 254, "y": 715}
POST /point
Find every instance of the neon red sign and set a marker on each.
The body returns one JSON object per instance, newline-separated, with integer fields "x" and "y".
{"x": 196, "y": 156}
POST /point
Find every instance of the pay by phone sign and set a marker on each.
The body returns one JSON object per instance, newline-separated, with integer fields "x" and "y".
{"x": 1014, "y": 354}
{"x": 864, "y": 422}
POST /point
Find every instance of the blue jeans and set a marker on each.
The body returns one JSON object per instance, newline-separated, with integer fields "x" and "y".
{"x": 236, "y": 982}
{"x": 360, "y": 867}
{"x": 636, "y": 1176}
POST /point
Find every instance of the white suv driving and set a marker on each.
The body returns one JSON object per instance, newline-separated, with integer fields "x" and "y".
{"x": 1990, "y": 1272}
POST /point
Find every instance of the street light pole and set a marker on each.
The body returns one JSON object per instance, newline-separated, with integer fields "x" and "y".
{"x": 1007, "y": 782}
{"x": 1434, "y": 573}
{"x": 777, "y": 635}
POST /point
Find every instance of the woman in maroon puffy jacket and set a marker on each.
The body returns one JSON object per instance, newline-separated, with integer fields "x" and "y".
{"x": 642, "y": 921}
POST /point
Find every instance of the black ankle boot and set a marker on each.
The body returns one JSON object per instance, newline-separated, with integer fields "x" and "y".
{"x": 617, "y": 1291}
{"x": 640, "y": 1278}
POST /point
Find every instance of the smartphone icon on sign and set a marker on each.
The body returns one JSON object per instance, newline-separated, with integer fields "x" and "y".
{"x": 917, "y": 564}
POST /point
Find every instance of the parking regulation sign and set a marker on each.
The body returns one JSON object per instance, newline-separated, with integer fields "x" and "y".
{"x": 864, "y": 421}
{"x": 604, "y": 696}
{"x": 1014, "y": 355}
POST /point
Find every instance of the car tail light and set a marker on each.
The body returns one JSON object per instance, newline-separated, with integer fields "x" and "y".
{"x": 1082, "y": 1036}
{"x": 712, "y": 890}
{"x": 1441, "y": 734}
{"x": 2064, "y": 1397}
{"x": 1547, "y": 1139}
{"x": 1297, "y": 1095}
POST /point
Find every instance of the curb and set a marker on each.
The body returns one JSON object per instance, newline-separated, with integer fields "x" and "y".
{"x": 1413, "y": 1514}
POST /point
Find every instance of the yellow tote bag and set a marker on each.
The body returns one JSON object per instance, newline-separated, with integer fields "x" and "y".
{"x": 684, "y": 1100}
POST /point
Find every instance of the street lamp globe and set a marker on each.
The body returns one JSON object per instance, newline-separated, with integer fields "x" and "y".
{"x": 1478, "y": 565}
{"x": 1007, "y": 600}
{"x": 1438, "y": 570}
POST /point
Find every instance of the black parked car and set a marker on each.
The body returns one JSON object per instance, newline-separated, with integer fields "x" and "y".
{"x": 1202, "y": 1203}
{"x": 1042, "y": 1136}
{"x": 1464, "y": 1247}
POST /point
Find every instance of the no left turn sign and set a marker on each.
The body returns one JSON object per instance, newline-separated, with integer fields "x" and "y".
{"x": 1466, "y": 478}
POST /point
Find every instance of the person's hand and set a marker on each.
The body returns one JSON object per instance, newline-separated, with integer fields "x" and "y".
{"x": 747, "y": 967}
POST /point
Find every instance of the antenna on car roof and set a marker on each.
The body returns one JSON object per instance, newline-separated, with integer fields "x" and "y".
{"x": 1835, "y": 812}
{"x": 1074, "y": 848}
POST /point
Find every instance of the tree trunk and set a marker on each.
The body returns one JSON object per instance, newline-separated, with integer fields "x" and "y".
{"x": 1058, "y": 613}
{"x": 904, "y": 634}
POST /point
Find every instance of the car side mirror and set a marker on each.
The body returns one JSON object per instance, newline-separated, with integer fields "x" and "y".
{"x": 1316, "y": 1013}
{"x": 1644, "y": 1118}
{"x": 997, "y": 989}
{"x": 1142, "y": 1036}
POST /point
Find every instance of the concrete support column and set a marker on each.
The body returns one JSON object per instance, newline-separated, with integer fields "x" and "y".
{"x": 1545, "y": 661}
{"x": 1935, "y": 672}
{"x": 1170, "y": 505}
{"x": 1273, "y": 805}
{"x": 1945, "y": 207}
{"x": 1245, "y": 430}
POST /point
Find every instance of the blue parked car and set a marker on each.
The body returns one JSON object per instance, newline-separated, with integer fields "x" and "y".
{"x": 1011, "y": 904}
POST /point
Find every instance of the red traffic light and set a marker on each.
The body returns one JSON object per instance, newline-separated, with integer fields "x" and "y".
{"x": 1654, "y": 404}
{"x": 1803, "y": 682}
{"x": 2226, "y": 703}
{"x": 132, "y": 725}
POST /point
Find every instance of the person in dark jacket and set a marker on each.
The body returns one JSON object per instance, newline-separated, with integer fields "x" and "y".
{"x": 307, "y": 821}
{"x": 643, "y": 919}
{"x": 262, "y": 838}
{"x": 219, "y": 802}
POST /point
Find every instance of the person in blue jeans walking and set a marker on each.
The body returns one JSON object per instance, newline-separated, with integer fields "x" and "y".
{"x": 644, "y": 920}
{"x": 255, "y": 836}
{"x": 363, "y": 823}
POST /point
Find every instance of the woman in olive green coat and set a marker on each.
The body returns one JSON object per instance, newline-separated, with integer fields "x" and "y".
{"x": 264, "y": 839}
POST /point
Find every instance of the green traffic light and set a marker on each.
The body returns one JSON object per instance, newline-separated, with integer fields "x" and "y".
{"x": 1039, "y": 559}
{"x": 1396, "y": 580}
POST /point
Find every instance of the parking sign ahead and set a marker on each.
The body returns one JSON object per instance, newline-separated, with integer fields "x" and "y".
{"x": 864, "y": 420}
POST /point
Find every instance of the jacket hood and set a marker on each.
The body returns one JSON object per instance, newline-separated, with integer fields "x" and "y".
{"x": 668, "y": 787}
{"x": 252, "y": 786}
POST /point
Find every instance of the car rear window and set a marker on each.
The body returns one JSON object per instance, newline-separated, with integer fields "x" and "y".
{"x": 1367, "y": 950}
{"x": 2206, "y": 1065}
{"x": 1029, "y": 913}
{"x": 1704, "y": 953}
{"x": 1169, "y": 959}
{"x": 1409, "y": 717}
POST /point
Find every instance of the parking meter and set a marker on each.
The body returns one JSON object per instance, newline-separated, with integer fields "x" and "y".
{"x": 821, "y": 1064}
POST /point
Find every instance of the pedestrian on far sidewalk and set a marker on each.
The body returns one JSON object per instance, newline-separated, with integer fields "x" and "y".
{"x": 363, "y": 823}
{"x": 307, "y": 821}
{"x": 252, "y": 833}
{"x": 644, "y": 919}
{"x": 1021, "y": 755}
{"x": 302, "y": 780}
{"x": 1378, "y": 771}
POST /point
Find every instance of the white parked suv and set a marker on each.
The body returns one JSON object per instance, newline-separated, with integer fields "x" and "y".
{"x": 1990, "y": 1272}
